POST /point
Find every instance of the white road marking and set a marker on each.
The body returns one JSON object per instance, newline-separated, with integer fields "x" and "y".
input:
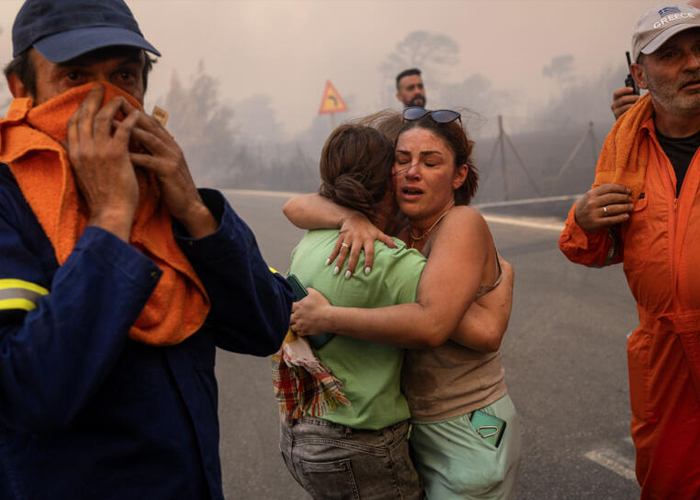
{"x": 525, "y": 222}
{"x": 622, "y": 466}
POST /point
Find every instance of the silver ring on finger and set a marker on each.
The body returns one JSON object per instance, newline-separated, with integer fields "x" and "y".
{"x": 605, "y": 211}
{"x": 344, "y": 245}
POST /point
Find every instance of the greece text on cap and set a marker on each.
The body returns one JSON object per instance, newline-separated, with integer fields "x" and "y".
{"x": 673, "y": 17}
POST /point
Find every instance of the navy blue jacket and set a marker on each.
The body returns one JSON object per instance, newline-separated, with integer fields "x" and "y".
{"x": 87, "y": 413}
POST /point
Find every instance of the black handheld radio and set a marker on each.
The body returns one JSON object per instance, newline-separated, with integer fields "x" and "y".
{"x": 629, "y": 81}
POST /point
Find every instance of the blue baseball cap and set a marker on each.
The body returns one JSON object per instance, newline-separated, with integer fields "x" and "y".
{"x": 61, "y": 30}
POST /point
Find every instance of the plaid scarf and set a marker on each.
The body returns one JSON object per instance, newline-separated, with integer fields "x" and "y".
{"x": 303, "y": 385}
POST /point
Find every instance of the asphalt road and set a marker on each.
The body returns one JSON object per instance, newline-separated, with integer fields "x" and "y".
{"x": 564, "y": 356}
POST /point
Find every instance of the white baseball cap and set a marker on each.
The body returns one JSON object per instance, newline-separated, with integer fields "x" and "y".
{"x": 659, "y": 24}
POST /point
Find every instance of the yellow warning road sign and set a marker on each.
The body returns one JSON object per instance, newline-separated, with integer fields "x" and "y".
{"x": 332, "y": 102}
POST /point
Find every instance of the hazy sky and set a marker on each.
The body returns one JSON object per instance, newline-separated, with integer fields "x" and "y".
{"x": 288, "y": 49}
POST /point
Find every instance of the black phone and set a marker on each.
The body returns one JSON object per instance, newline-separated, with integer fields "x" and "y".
{"x": 629, "y": 81}
{"x": 299, "y": 289}
{"x": 300, "y": 292}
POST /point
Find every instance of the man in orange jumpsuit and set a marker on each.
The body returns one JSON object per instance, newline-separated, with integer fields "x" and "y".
{"x": 644, "y": 211}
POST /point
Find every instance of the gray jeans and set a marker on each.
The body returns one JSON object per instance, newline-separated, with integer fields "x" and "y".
{"x": 335, "y": 462}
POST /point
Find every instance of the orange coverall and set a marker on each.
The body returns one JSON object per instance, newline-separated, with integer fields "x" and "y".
{"x": 657, "y": 248}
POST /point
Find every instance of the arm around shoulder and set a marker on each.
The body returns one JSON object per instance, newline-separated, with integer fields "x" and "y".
{"x": 449, "y": 284}
{"x": 313, "y": 211}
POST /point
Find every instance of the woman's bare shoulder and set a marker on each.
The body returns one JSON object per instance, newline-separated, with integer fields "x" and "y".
{"x": 463, "y": 240}
{"x": 465, "y": 217}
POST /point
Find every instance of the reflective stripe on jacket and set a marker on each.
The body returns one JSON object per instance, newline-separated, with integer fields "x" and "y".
{"x": 19, "y": 294}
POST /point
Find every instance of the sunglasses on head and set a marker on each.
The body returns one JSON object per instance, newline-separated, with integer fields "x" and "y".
{"x": 438, "y": 116}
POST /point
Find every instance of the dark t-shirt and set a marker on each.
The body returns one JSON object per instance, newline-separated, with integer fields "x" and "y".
{"x": 680, "y": 152}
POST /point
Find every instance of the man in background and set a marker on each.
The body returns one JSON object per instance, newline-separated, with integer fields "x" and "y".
{"x": 118, "y": 277}
{"x": 409, "y": 88}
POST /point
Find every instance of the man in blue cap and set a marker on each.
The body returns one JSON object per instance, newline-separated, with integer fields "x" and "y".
{"x": 118, "y": 278}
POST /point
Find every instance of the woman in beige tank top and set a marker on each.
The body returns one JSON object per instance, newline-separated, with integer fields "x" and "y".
{"x": 448, "y": 375}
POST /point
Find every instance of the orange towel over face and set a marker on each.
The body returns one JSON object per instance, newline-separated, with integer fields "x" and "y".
{"x": 30, "y": 143}
{"x": 622, "y": 160}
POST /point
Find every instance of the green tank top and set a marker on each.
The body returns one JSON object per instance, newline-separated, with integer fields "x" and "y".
{"x": 371, "y": 373}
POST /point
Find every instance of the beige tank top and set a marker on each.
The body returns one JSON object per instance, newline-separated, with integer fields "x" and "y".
{"x": 451, "y": 380}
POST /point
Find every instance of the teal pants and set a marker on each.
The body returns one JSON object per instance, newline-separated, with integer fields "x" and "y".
{"x": 455, "y": 463}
